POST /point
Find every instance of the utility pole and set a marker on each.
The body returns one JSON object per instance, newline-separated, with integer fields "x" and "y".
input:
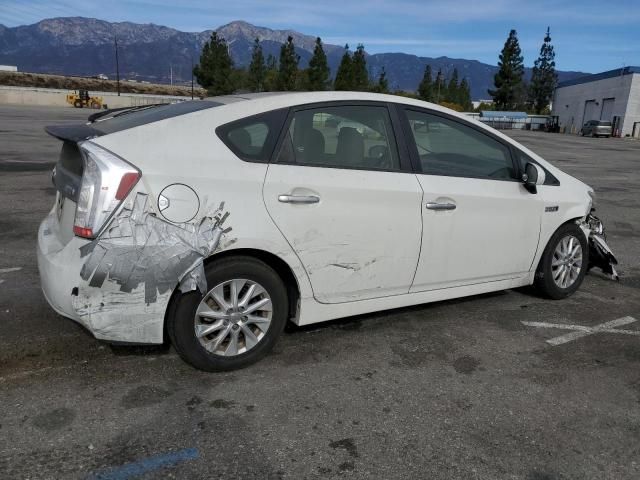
{"x": 115, "y": 39}
{"x": 171, "y": 74}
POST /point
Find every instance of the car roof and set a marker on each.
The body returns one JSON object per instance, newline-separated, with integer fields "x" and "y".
{"x": 288, "y": 99}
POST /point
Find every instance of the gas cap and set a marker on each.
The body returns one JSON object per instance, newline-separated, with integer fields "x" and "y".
{"x": 178, "y": 203}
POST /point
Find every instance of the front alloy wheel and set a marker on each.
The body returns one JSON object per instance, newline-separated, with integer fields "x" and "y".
{"x": 567, "y": 262}
{"x": 563, "y": 264}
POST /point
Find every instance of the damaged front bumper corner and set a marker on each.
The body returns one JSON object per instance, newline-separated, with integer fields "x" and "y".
{"x": 600, "y": 254}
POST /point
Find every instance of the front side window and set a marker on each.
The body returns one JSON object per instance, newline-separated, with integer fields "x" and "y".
{"x": 341, "y": 137}
{"x": 447, "y": 147}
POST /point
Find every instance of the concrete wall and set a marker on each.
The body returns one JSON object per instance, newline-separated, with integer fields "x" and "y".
{"x": 569, "y": 102}
{"x": 632, "y": 116}
{"x": 55, "y": 97}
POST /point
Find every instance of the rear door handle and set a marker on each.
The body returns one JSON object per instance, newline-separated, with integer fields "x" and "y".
{"x": 298, "y": 198}
{"x": 441, "y": 206}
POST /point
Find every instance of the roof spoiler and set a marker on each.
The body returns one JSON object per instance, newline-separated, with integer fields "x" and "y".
{"x": 72, "y": 133}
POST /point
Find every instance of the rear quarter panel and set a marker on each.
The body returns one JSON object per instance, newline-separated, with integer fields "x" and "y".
{"x": 186, "y": 150}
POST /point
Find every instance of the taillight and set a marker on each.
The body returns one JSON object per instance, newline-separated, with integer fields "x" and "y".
{"x": 106, "y": 181}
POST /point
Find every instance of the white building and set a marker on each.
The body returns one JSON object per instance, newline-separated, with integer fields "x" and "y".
{"x": 612, "y": 96}
{"x": 8, "y": 68}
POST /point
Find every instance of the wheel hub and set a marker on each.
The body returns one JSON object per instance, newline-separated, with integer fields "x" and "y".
{"x": 233, "y": 317}
{"x": 566, "y": 263}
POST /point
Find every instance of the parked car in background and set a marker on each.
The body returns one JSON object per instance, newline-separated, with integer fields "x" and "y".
{"x": 596, "y": 128}
{"x": 215, "y": 222}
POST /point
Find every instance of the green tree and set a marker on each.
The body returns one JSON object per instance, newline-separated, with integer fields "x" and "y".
{"x": 543, "y": 77}
{"x": 452, "y": 94}
{"x": 425, "y": 89}
{"x": 360, "y": 74}
{"x": 382, "y": 85}
{"x": 288, "y": 70}
{"x": 464, "y": 95}
{"x": 214, "y": 70}
{"x": 508, "y": 81}
{"x": 257, "y": 69}
{"x": 318, "y": 71}
{"x": 344, "y": 75}
{"x": 271, "y": 74}
{"x": 440, "y": 87}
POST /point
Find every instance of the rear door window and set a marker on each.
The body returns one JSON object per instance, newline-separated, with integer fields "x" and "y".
{"x": 345, "y": 136}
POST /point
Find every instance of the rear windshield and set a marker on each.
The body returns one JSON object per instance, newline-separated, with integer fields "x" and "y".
{"x": 122, "y": 120}
{"x": 603, "y": 124}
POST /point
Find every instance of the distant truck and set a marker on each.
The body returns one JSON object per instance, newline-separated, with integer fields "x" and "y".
{"x": 82, "y": 99}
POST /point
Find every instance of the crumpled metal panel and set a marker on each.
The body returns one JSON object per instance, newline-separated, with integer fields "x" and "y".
{"x": 600, "y": 254}
{"x": 139, "y": 248}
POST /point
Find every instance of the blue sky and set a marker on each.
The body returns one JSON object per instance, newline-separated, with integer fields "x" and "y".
{"x": 589, "y": 35}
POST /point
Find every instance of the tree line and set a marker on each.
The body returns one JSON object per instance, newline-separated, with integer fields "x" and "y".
{"x": 216, "y": 72}
{"x": 511, "y": 91}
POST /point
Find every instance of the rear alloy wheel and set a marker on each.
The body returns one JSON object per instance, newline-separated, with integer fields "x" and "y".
{"x": 564, "y": 263}
{"x": 236, "y": 322}
{"x": 233, "y": 317}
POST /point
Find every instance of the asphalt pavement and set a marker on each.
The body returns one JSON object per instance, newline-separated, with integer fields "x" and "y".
{"x": 456, "y": 389}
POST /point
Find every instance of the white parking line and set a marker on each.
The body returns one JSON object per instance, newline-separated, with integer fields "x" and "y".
{"x": 8, "y": 270}
{"x": 580, "y": 331}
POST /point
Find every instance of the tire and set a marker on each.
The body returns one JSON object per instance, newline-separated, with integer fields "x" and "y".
{"x": 544, "y": 280}
{"x": 95, "y": 105}
{"x": 78, "y": 104}
{"x": 182, "y": 320}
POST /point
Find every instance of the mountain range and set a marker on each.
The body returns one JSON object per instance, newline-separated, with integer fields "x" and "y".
{"x": 85, "y": 47}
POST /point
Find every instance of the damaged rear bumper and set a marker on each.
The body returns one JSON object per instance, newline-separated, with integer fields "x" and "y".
{"x": 59, "y": 267}
{"x": 108, "y": 313}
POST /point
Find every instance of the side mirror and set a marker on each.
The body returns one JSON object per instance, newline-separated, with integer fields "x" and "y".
{"x": 532, "y": 177}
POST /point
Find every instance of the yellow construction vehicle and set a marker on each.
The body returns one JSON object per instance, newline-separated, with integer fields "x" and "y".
{"x": 81, "y": 99}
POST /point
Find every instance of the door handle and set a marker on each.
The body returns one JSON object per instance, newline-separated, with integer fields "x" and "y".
{"x": 441, "y": 206}
{"x": 298, "y": 198}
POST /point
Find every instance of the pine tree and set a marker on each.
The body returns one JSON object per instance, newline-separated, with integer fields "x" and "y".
{"x": 440, "y": 87}
{"x": 288, "y": 66}
{"x": 543, "y": 77}
{"x": 257, "y": 70}
{"x": 271, "y": 74}
{"x": 464, "y": 95}
{"x": 214, "y": 70}
{"x": 425, "y": 89}
{"x": 318, "y": 71}
{"x": 452, "y": 93}
{"x": 508, "y": 80}
{"x": 382, "y": 85}
{"x": 344, "y": 75}
{"x": 360, "y": 74}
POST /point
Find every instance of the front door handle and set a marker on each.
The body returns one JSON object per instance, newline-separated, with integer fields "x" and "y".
{"x": 441, "y": 206}
{"x": 298, "y": 198}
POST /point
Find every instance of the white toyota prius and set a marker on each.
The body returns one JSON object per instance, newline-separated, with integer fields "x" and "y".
{"x": 212, "y": 223}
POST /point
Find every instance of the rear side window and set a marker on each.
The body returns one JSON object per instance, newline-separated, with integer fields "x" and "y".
{"x": 447, "y": 147}
{"x": 253, "y": 138}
